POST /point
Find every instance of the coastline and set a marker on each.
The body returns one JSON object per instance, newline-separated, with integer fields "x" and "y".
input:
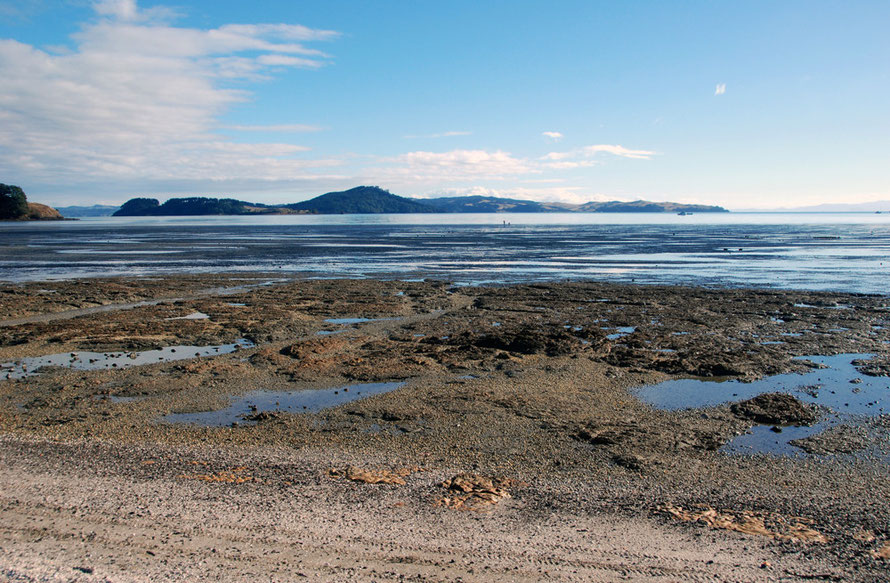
{"x": 520, "y": 382}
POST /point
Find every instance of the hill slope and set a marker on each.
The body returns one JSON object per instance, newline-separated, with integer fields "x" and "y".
{"x": 96, "y": 210}
{"x": 362, "y": 200}
{"x": 494, "y": 204}
{"x": 645, "y": 206}
{"x": 194, "y": 206}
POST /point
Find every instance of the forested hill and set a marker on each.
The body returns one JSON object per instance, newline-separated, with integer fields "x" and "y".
{"x": 360, "y": 200}
{"x": 196, "y": 205}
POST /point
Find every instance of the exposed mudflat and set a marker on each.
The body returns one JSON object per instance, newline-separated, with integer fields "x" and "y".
{"x": 518, "y": 398}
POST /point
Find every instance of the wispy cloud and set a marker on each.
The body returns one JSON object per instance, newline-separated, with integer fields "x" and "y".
{"x": 454, "y": 166}
{"x": 555, "y": 136}
{"x": 565, "y": 194}
{"x": 720, "y": 89}
{"x": 451, "y": 134}
{"x": 584, "y": 157}
{"x": 286, "y": 128}
{"x": 138, "y": 97}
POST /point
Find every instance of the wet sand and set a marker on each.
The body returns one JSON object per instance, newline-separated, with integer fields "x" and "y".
{"x": 531, "y": 385}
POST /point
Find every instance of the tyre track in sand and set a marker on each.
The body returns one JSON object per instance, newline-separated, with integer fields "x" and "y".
{"x": 65, "y": 521}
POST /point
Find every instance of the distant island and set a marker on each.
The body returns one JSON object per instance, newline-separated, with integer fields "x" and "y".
{"x": 14, "y": 206}
{"x": 79, "y": 212}
{"x": 375, "y": 200}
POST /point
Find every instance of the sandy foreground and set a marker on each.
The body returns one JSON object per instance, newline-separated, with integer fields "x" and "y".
{"x": 515, "y": 450}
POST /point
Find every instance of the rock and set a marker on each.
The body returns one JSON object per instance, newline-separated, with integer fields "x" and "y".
{"x": 528, "y": 340}
{"x": 840, "y": 439}
{"x": 878, "y": 366}
{"x": 775, "y": 409}
{"x": 770, "y": 524}
{"x": 474, "y": 492}
{"x": 395, "y": 477}
{"x": 261, "y": 416}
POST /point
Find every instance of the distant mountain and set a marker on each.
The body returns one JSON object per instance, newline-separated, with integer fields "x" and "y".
{"x": 645, "y": 206}
{"x": 361, "y": 200}
{"x": 78, "y": 212}
{"x": 493, "y": 204}
{"x": 375, "y": 200}
{"x": 861, "y": 207}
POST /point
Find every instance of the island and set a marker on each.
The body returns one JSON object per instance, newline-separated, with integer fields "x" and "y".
{"x": 376, "y": 200}
{"x": 14, "y": 206}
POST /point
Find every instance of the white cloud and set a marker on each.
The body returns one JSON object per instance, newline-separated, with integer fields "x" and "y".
{"x": 425, "y": 169}
{"x": 291, "y": 128}
{"x": 720, "y": 89}
{"x": 128, "y": 11}
{"x": 565, "y": 194}
{"x": 555, "y": 136}
{"x": 584, "y": 157}
{"x": 454, "y": 166}
{"x": 451, "y": 134}
{"x": 140, "y": 98}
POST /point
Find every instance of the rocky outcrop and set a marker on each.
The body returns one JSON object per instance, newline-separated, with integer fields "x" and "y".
{"x": 775, "y": 409}
{"x": 42, "y": 212}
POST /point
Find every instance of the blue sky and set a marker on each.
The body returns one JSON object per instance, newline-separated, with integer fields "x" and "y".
{"x": 743, "y": 104}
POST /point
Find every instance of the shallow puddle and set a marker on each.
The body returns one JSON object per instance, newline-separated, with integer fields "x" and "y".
{"x": 192, "y": 316}
{"x": 347, "y": 320}
{"x": 839, "y": 387}
{"x": 85, "y": 360}
{"x": 622, "y": 331}
{"x": 310, "y": 401}
{"x": 329, "y": 332}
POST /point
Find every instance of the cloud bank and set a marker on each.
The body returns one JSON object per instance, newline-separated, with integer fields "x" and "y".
{"x": 135, "y": 106}
{"x": 140, "y": 98}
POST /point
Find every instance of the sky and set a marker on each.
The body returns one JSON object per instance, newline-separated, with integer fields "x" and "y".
{"x": 741, "y": 104}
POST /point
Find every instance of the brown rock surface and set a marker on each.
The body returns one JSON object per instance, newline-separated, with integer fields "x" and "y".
{"x": 775, "y": 409}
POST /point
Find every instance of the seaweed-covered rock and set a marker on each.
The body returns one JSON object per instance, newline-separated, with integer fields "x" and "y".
{"x": 878, "y": 366}
{"x": 528, "y": 340}
{"x": 775, "y": 409}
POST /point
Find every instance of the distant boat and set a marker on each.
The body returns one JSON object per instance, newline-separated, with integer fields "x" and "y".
{"x": 683, "y": 213}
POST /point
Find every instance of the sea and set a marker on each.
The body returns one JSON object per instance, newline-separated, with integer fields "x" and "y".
{"x": 844, "y": 252}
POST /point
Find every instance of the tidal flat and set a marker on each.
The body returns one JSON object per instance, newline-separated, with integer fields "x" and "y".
{"x": 528, "y": 393}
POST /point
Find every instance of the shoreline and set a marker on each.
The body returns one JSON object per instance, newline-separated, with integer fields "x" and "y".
{"x": 518, "y": 382}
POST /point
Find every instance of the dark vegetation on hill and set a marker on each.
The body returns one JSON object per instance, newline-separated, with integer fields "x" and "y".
{"x": 362, "y": 199}
{"x": 374, "y": 200}
{"x": 14, "y": 206}
{"x": 196, "y": 205}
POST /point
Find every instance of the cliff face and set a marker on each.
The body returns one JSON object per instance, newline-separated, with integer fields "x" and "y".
{"x": 42, "y": 212}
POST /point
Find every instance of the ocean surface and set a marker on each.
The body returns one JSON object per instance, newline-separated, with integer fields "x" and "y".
{"x": 812, "y": 251}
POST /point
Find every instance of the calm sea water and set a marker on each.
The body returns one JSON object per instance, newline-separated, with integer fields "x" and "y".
{"x": 815, "y": 251}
